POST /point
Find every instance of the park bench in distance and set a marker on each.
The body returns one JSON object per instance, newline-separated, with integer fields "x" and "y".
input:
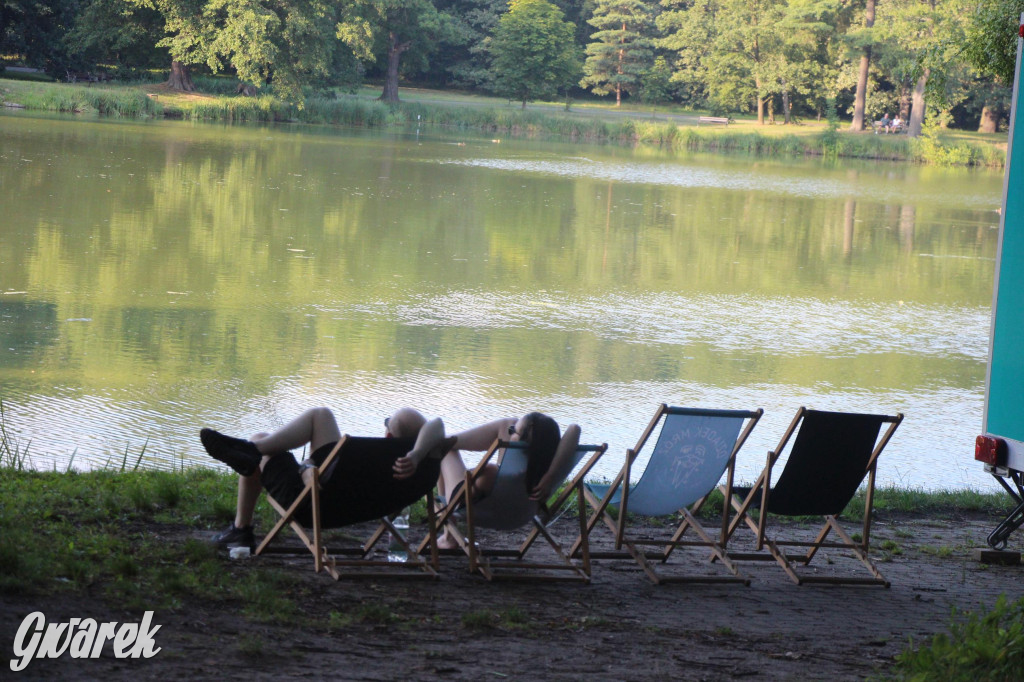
{"x": 87, "y": 77}
{"x": 724, "y": 120}
{"x": 892, "y": 128}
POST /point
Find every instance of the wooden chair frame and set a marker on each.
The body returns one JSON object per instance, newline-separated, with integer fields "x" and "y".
{"x": 634, "y": 547}
{"x": 363, "y": 565}
{"x": 496, "y": 563}
{"x": 775, "y": 552}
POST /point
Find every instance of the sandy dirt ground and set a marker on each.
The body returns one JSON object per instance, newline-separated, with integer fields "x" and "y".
{"x": 619, "y": 627}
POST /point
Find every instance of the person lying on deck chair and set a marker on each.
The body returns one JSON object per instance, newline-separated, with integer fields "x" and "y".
{"x": 545, "y": 445}
{"x": 266, "y": 461}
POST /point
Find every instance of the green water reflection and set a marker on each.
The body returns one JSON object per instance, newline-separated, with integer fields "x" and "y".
{"x": 158, "y": 276}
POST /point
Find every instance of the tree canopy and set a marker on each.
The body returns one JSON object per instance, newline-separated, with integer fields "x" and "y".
{"x": 533, "y": 53}
{"x": 950, "y": 62}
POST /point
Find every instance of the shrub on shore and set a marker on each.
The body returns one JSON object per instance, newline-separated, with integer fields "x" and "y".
{"x": 109, "y": 101}
{"x": 985, "y": 646}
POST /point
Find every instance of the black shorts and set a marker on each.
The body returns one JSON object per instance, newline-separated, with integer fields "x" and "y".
{"x": 362, "y": 485}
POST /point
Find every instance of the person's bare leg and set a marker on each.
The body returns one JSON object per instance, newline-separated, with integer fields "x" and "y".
{"x": 249, "y": 489}
{"x": 315, "y": 426}
{"x": 453, "y": 472}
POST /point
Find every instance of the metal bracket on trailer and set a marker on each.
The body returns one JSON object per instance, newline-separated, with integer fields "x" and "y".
{"x": 1015, "y": 519}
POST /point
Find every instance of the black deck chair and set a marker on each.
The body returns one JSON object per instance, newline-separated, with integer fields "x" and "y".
{"x": 363, "y": 470}
{"x": 831, "y": 456}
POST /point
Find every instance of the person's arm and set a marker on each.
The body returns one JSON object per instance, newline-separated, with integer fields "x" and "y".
{"x": 306, "y": 467}
{"x": 566, "y": 449}
{"x": 431, "y": 436}
{"x": 481, "y": 437}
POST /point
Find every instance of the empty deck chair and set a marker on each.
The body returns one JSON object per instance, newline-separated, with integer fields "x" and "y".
{"x": 830, "y": 458}
{"x": 508, "y": 508}
{"x": 363, "y": 468}
{"x": 694, "y": 449}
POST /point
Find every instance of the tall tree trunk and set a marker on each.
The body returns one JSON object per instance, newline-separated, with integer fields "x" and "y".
{"x": 757, "y": 84}
{"x": 905, "y": 100}
{"x": 618, "y": 70}
{"x": 395, "y": 50}
{"x": 180, "y": 78}
{"x": 785, "y": 103}
{"x": 861, "y": 97}
{"x": 989, "y": 119}
{"x": 918, "y": 105}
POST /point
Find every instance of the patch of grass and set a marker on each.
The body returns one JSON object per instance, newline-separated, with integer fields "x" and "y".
{"x": 943, "y": 552}
{"x": 938, "y": 502}
{"x": 379, "y": 614}
{"x": 13, "y": 455}
{"x": 480, "y": 620}
{"x": 251, "y": 645}
{"x": 889, "y": 550}
{"x": 891, "y": 547}
{"x": 512, "y": 618}
{"x": 987, "y": 646}
{"x": 338, "y": 621}
{"x": 264, "y": 594}
{"x": 65, "y": 97}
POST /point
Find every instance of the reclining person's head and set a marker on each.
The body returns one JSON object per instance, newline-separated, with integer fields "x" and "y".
{"x": 542, "y": 433}
{"x": 405, "y": 423}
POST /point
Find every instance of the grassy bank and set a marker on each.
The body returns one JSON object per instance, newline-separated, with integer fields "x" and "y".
{"x": 133, "y": 538}
{"x": 78, "y": 99}
{"x": 589, "y": 122}
{"x": 102, "y": 529}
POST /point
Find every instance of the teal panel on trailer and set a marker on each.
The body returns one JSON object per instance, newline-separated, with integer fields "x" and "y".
{"x": 1004, "y": 403}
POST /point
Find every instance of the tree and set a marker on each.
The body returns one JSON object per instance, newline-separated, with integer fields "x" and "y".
{"x": 468, "y": 63}
{"x": 794, "y": 51}
{"x": 186, "y": 37}
{"x": 117, "y": 32}
{"x": 655, "y": 86}
{"x": 398, "y": 28}
{"x": 533, "y": 54}
{"x": 689, "y": 29}
{"x": 990, "y": 46}
{"x": 622, "y": 49}
{"x": 863, "y": 38}
{"x": 289, "y": 43}
{"x": 34, "y": 30}
{"x": 739, "y": 68}
{"x": 922, "y": 38}
{"x": 991, "y": 38}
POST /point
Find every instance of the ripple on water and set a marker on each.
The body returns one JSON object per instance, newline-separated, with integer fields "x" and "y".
{"x": 775, "y": 325}
{"x": 811, "y": 182}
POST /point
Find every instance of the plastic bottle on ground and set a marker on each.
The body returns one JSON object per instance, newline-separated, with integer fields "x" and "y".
{"x": 396, "y": 551}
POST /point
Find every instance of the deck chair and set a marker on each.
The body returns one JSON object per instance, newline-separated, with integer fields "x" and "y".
{"x": 364, "y": 464}
{"x": 695, "y": 447}
{"x": 508, "y": 507}
{"x": 832, "y": 454}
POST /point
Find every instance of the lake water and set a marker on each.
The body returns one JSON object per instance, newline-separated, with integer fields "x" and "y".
{"x": 160, "y": 276}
